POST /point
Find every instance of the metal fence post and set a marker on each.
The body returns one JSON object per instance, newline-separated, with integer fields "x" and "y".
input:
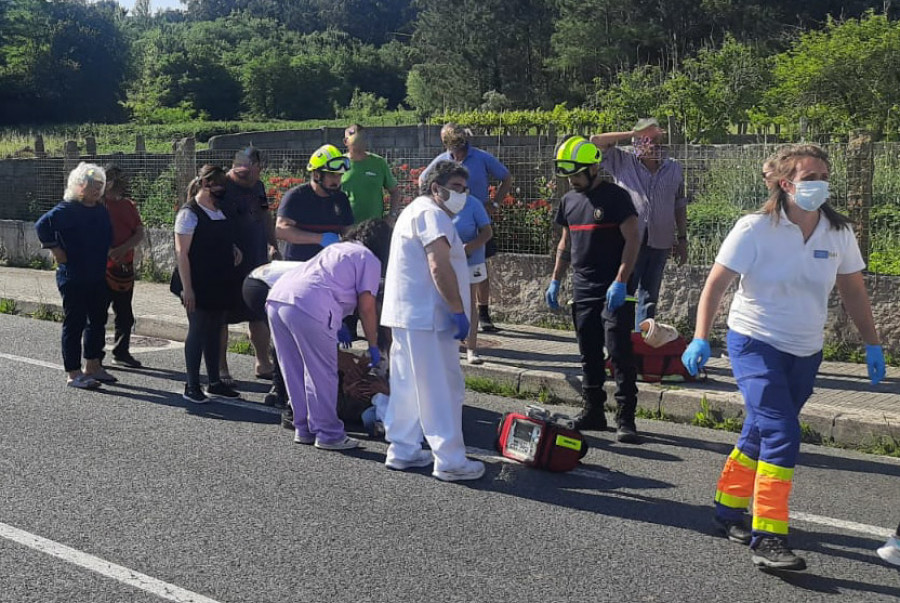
{"x": 860, "y": 174}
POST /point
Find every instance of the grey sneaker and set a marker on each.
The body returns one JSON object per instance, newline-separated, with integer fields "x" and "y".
{"x": 470, "y": 470}
{"x": 423, "y": 458}
{"x": 347, "y": 443}
{"x": 304, "y": 439}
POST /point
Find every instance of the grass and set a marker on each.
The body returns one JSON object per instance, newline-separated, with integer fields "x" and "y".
{"x": 241, "y": 346}
{"x": 36, "y": 262}
{"x": 842, "y": 351}
{"x": 484, "y": 385}
{"x": 45, "y": 312}
{"x": 9, "y": 306}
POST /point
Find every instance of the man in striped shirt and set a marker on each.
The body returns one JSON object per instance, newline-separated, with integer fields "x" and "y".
{"x": 656, "y": 186}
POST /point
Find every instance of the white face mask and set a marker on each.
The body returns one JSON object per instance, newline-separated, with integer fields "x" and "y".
{"x": 455, "y": 202}
{"x": 810, "y": 194}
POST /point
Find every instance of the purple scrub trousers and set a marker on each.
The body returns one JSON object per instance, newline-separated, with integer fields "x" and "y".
{"x": 307, "y": 353}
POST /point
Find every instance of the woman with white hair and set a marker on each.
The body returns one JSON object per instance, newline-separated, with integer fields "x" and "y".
{"x": 78, "y": 234}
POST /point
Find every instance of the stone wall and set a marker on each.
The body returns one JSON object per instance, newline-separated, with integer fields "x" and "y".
{"x": 519, "y": 281}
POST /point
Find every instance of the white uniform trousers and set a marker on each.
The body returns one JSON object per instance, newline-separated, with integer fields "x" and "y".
{"x": 427, "y": 394}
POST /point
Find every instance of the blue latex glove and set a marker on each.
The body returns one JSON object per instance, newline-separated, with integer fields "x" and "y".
{"x": 344, "y": 337}
{"x": 462, "y": 326}
{"x": 615, "y": 296}
{"x": 695, "y": 356}
{"x": 374, "y": 356}
{"x": 552, "y": 295}
{"x": 329, "y": 238}
{"x": 875, "y": 363}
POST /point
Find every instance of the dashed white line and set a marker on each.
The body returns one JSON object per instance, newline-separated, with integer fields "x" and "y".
{"x": 161, "y": 589}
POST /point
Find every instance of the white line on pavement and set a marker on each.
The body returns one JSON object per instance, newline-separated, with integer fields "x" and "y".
{"x": 161, "y": 589}
{"x": 851, "y": 526}
{"x": 58, "y": 367}
{"x": 235, "y": 403}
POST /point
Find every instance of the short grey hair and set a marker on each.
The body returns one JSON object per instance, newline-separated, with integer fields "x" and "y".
{"x": 83, "y": 174}
{"x": 441, "y": 173}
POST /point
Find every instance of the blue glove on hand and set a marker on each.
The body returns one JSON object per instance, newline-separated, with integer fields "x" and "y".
{"x": 374, "y": 356}
{"x": 552, "y": 295}
{"x": 329, "y": 238}
{"x": 344, "y": 337}
{"x": 695, "y": 356}
{"x": 875, "y": 363}
{"x": 615, "y": 296}
{"x": 462, "y": 326}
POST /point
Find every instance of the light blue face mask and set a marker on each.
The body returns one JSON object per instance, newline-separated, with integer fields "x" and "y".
{"x": 809, "y": 195}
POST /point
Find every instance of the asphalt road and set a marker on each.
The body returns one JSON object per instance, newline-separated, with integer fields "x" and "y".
{"x": 132, "y": 486}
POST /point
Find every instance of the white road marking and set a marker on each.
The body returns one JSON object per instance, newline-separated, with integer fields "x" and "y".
{"x": 851, "y": 526}
{"x": 161, "y": 589}
{"x": 14, "y": 358}
{"x": 226, "y": 401}
{"x": 492, "y": 455}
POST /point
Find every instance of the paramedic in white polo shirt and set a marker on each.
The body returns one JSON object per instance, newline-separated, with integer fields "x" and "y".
{"x": 789, "y": 256}
{"x": 426, "y": 295}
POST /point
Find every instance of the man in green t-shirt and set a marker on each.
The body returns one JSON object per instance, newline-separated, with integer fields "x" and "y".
{"x": 369, "y": 175}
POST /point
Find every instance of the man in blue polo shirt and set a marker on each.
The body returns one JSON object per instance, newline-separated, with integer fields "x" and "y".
{"x": 482, "y": 167}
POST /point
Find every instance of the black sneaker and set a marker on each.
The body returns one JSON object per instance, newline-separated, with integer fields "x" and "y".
{"x": 487, "y": 325}
{"x": 626, "y": 433}
{"x": 220, "y": 390}
{"x": 772, "y": 552}
{"x": 591, "y": 420}
{"x": 287, "y": 417}
{"x": 735, "y": 531}
{"x": 126, "y": 360}
{"x": 193, "y": 393}
{"x": 274, "y": 400}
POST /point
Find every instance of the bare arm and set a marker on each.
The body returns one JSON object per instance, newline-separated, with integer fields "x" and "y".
{"x": 502, "y": 190}
{"x": 717, "y": 282}
{"x": 631, "y": 233}
{"x": 563, "y": 256}
{"x": 852, "y": 289}
{"x": 285, "y": 230}
{"x": 395, "y": 199}
{"x": 132, "y": 242}
{"x": 438, "y": 254}
{"x": 605, "y": 141}
{"x": 366, "y": 307}
{"x": 484, "y": 235}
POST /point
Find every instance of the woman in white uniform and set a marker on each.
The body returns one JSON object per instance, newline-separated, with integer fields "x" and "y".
{"x": 426, "y": 295}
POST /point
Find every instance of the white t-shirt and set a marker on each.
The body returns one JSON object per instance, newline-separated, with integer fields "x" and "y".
{"x": 411, "y": 299}
{"x": 271, "y": 272}
{"x": 186, "y": 220}
{"x": 782, "y": 298}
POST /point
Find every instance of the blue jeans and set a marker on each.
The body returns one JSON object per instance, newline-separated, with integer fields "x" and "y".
{"x": 84, "y": 318}
{"x": 647, "y": 278}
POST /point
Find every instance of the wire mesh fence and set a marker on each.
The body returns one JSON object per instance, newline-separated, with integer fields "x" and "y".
{"x": 723, "y": 182}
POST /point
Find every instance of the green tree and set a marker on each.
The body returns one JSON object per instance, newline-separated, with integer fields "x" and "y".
{"x": 843, "y": 76}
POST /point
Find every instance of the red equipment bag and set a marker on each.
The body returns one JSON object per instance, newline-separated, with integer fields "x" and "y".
{"x": 662, "y": 364}
{"x": 539, "y": 439}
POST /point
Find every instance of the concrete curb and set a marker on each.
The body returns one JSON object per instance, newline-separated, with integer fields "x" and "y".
{"x": 680, "y": 403}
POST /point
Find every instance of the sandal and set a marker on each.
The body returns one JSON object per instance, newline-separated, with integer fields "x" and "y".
{"x": 83, "y": 382}
{"x": 103, "y": 376}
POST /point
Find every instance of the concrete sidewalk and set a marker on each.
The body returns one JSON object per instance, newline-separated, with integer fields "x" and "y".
{"x": 844, "y": 406}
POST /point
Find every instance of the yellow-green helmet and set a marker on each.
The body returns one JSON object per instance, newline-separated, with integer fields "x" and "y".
{"x": 574, "y": 155}
{"x": 328, "y": 159}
